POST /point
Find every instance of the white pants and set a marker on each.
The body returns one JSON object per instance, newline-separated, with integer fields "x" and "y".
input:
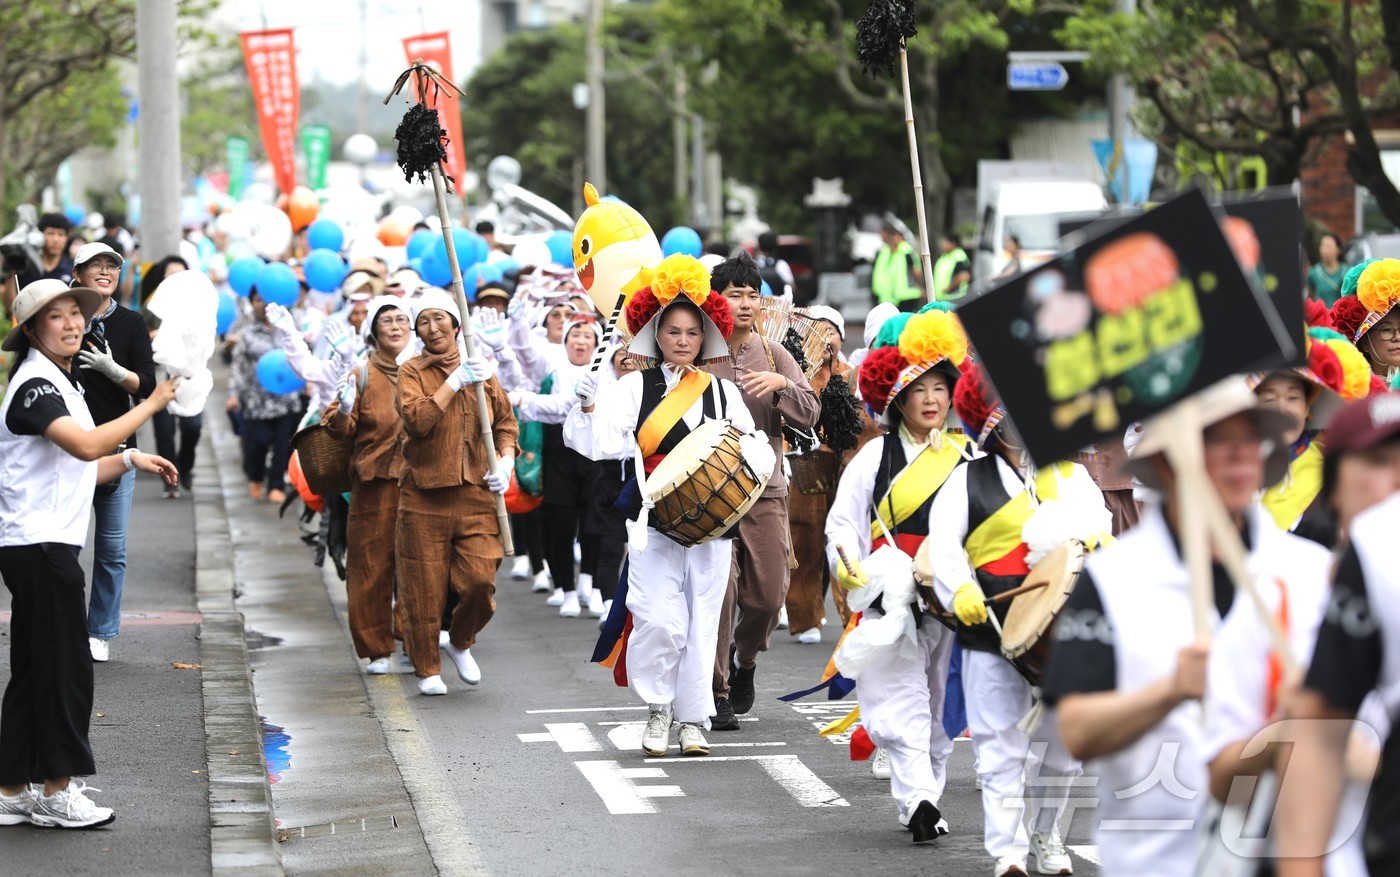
{"x": 901, "y": 708}
{"x": 997, "y": 698}
{"x": 675, "y": 595}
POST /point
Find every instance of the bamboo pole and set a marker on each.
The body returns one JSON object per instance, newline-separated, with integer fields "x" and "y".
{"x": 482, "y": 407}
{"x": 925, "y": 258}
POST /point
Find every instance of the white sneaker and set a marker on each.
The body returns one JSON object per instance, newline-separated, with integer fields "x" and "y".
{"x": 811, "y": 636}
{"x": 1050, "y": 854}
{"x": 69, "y": 808}
{"x": 520, "y": 568}
{"x": 597, "y": 606}
{"x": 17, "y": 809}
{"x": 378, "y": 667}
{"x": 656, "y": 738}
{"x": 570, "y": 608}
{"x": 541, "y": 583}
{"x": 782, "y": 618}
{"x": 100, "y": 649}
{"x": 1010, "y": 866}
{"x": 467, "y": 669}
{"x": 431, "y": 686}
{"x": 444, "y": 639}
{"x": 585, "y": 587}
{"x": 692, "y": 740}
{"x": 880, "y": 765}
{"x": 557, "y": 598}
{"x": 603, "y": 616}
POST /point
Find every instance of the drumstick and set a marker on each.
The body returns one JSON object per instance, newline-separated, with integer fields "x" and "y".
{"x": 1016, "y": 592}
{"x": 846, "y": 562}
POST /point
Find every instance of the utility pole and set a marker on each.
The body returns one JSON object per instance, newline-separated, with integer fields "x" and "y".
{"x": 159, "y": 127}
{"x": 597, "y": 115}
{"x": 1120, "y": 94}
{"x": 679, "y": 137}
{"x": 362, "y": 114}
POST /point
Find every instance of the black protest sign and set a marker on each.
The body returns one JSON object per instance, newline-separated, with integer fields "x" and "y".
{"x": 1146, "y": 313}
{"x": 1270, "y": 252}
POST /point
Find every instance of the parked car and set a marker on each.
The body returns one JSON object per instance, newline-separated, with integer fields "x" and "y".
{"x": 1372, "y": 246}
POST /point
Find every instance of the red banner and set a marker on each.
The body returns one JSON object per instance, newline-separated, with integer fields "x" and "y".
{"x": 436, "y": 50}
{"x": 271, "y": 58}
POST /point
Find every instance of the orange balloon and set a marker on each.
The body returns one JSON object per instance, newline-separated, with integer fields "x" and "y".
{"x": 302, "y": 207}
{"x": 393, "y": 232}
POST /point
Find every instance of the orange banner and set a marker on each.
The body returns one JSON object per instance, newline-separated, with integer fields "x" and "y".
{"x": 271, "y": 58}
{"x": 436, "y": 50}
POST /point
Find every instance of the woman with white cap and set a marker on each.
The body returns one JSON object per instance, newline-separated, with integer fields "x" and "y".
{"x": 447, "y": 534}
{"x": 674, "y": 593}
{"x": 364, "y": 412}
{"x": 52, "y": 455}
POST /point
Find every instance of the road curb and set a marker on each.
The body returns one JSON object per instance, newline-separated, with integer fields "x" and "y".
{"x": 242, "y": 830}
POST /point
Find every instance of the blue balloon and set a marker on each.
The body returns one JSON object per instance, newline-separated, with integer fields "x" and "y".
{"x": 278, "y": 284}
{"x": 421, "y": 240}
{"x": 243, "y": 273}
{"x": 226, "y": 314}
{"x": 416, "y": 264}
{"x": 324, "y": 270}
{"x": 324, "y": 234}
{"x": 561, "y": 247}
{"x": 765, "y": 289}
{"x": 436, "y": 270}
{"x": 276, "y": 375}
{"x": 493, "y": 273}
{"x": 471, "y": 248}
{"x": 75, "y": 213}
{"x": 682, "y": 240}
{"x": 470, "y": 276}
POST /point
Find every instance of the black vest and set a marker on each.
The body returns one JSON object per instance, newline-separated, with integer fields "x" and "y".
{"x": 986, "y": 496}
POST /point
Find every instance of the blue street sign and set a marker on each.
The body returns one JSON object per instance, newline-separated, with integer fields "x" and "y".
{"x": 1040, "y": 76}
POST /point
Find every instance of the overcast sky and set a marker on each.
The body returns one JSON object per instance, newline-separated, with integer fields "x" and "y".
{"x": 328, "y": 33}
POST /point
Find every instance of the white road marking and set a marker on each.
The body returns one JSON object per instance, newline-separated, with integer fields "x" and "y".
{"x": 1088, "y": 852}
{"x": 586, "y": 709}
{"x": 571, "y": 737}
{"x": 614, "y": 784}
{"x": 789, "y": 772}
{"x": 741, "y": 718}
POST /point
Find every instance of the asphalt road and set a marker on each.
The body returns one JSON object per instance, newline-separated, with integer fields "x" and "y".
{"x": 147, "y": 728}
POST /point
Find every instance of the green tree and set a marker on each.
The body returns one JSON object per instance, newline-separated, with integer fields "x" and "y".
{"x": 1257, "y": 77}
{"x": 218, "y": 103}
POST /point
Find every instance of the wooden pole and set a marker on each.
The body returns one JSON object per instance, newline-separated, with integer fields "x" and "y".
{"x": 609, "y": 329}
{"x": 1187, "y": 458}
{"x": 925, "y": 258}
{"x": 483, "y": 409}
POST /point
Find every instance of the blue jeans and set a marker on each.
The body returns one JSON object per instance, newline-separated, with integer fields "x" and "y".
{"x": 109, "y": 559}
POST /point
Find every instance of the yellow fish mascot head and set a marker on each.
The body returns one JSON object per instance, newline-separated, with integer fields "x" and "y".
{"x": 614, "y": 251}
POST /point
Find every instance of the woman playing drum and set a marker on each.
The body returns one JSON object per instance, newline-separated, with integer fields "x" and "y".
{"x": 882, "y": 503}
{"x": 674, "y": 593}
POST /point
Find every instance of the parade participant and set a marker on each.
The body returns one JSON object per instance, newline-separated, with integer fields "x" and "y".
{"x": 606, "y": 522}
{"x": 1246, "y": 687}
{"x": 267, "y": 419}
{"x": 674, "y": 593}
{"x": 1336, "y": 373}
{"x": 364, "y": 412}
{"x": 776, "y": 392}
{"x": 447, "y": 536}
{"x": 494, "y": 297}
{"x": 568, "y": 476}
{"x": 1378, "y": 336}
{"x": 838, "y": 428}
{"x": 116, "y": 368}
{"x": 1128, "y": 670}
{"x": 53, "y": 259}
{"x": 322, "y": 376}
{"x": 978, "y": 548}
{"x": 52, "y": 456}
{"x": 879, "y": 518}
{"x": 1353, "y": 664}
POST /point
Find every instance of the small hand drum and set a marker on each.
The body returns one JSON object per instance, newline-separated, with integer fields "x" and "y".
{"x": 1025, "y": 635}
{"x": 704, "y": 486}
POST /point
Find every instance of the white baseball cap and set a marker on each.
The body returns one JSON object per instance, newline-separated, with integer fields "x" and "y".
{"x": 88, "y": 252}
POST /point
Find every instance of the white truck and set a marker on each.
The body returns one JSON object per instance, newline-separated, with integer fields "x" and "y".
{"x": 1027, "y": 199}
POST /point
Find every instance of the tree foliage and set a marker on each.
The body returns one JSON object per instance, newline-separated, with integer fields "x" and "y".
{"x": 217, "y": 103}
{"x": 1257, "y": 77}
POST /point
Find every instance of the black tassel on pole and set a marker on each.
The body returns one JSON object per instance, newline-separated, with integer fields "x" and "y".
{"x": 882, "y": 32}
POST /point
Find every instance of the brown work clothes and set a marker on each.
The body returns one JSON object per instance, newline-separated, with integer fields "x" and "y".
{"x": 758, "y": 585}
{"x": 444, "y": 446}
{"x": 374, "y": 424}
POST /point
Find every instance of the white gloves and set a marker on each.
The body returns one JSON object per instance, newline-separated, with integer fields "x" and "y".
{"x": 101, "y": 361}
{"x": 337, "y": 334}
{"x": 281, "y": 319}
{"x": 586, "y": 389}
{"x": 519, "y": 328}
{"x": 490, "y": 328}
{"x": 473, "y": 370}
{"x": 500, "y": 480}
{"x": 348, "y": 392}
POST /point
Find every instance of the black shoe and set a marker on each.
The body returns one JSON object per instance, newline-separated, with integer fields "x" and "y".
{"x": 927, "y": 824}
{"x": 741, "y": 690}
{"x": 723, "y": 719}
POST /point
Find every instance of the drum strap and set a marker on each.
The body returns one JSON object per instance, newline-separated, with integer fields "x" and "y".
{"x": 914, "y": 486}
{"x": 995, "y": 519}
{"x": 670, "y": 410}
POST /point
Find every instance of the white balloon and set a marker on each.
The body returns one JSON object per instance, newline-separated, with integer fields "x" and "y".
{"x": 531, "y": 253}
{"x": 434, "y": 224}
{"x": 407, "y": 214}
{"x": 260, "y": 193}
{"x": 265, "y": 228}
{"x": 710, "y": 260}
{"x": 360, "y": 149}
{"x": 190, "y": 253}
